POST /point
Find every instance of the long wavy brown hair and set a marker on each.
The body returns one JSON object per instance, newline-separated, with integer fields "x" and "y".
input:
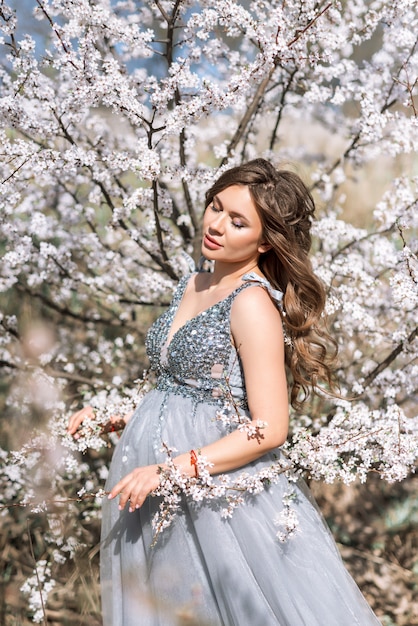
{"x": 286, "y": 209}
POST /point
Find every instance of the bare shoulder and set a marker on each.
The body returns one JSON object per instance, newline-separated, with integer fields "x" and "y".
{"x": 253, "y": 309}
{"x": 256, "y": 324}
{"x": 255, "y": 300}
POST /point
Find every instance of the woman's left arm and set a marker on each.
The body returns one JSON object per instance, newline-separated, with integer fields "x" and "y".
{"x": 257, "y": 331}
{"x": 256, "y": 328}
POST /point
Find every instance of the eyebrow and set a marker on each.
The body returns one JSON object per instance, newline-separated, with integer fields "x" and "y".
{"x": 233, "y": 213}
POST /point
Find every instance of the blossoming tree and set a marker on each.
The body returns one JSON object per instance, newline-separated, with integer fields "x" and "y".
{"x": 113, "y": 123}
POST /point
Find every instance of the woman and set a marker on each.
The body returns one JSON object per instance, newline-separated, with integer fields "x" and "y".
{"x": 228, "y": 337}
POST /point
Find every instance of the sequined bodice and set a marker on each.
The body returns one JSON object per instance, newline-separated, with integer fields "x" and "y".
{"x": 200, "y": 353}
{"x": 200, "y": 359}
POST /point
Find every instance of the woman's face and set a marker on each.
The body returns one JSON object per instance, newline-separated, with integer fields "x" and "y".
{"x": 232, "y": 229}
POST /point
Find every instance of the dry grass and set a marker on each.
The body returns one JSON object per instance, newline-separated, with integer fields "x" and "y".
{"x": 376, "y": 526}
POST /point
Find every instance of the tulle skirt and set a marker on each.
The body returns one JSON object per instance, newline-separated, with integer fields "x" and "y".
{"x": 208, "y": 570}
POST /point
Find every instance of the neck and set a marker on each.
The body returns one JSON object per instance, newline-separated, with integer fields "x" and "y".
{"x": 229, "y": 273}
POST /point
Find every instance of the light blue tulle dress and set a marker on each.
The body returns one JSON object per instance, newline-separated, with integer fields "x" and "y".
{"x": 204, "y": 569}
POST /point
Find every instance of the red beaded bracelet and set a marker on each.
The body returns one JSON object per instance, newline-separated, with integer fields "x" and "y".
{"x": 193, "y": 461}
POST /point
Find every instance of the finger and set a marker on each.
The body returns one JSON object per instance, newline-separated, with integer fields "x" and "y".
{"x": 122, "y": 489}
{"x": 130, "y": 491}
{"x": 74, "y": 422}
{"x": 77, "y": 418}
{"x": 124, "y": 500}
{"x": 144, "y": 483}
{"x": 137, "y": 498}
{"x": 115, "y": 490}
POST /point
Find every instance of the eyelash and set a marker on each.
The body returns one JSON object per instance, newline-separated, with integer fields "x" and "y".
{"x": 216, "y": 210}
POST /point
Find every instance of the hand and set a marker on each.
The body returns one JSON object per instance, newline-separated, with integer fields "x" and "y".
{"x": 136, "y": 486}
{"x": 78, "y": 418}
{"x": 115, "y": 423}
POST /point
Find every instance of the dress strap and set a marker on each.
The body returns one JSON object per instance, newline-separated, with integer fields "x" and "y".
{"x": 275, "y": 294}
{"x": 250, "y": 277}
{"x": 180, "y": 289}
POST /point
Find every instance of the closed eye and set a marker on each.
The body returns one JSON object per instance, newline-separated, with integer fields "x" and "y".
{"x": 236, "y": 224}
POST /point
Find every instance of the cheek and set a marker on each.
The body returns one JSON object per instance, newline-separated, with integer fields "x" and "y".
{"x": 206, "y": 218}
{"x": 250, "y": 240}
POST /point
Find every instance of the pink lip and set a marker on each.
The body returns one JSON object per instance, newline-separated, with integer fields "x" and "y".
{"x": 211, "y": 243}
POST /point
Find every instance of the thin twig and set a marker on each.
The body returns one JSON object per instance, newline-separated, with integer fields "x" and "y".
{"x": 391, "y": 357}
{"x": 36, "y": 572}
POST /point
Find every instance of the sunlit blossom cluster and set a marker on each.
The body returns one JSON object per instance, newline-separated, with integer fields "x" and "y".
{"x": 36, "y": 601}
{"x": 224, "y": 492}
{"x": 115, "y": 117}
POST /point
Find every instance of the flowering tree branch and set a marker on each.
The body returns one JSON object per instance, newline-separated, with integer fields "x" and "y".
{"x": 113, "y": 123}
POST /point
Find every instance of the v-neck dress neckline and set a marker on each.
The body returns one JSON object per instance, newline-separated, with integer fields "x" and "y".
{"x": 169, "y": 340}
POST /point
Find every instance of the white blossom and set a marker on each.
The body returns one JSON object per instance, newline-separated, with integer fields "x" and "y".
{"x": 111, "y": 132}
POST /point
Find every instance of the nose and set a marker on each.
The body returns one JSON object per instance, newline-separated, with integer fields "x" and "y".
{"x": 216, "y": 223}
